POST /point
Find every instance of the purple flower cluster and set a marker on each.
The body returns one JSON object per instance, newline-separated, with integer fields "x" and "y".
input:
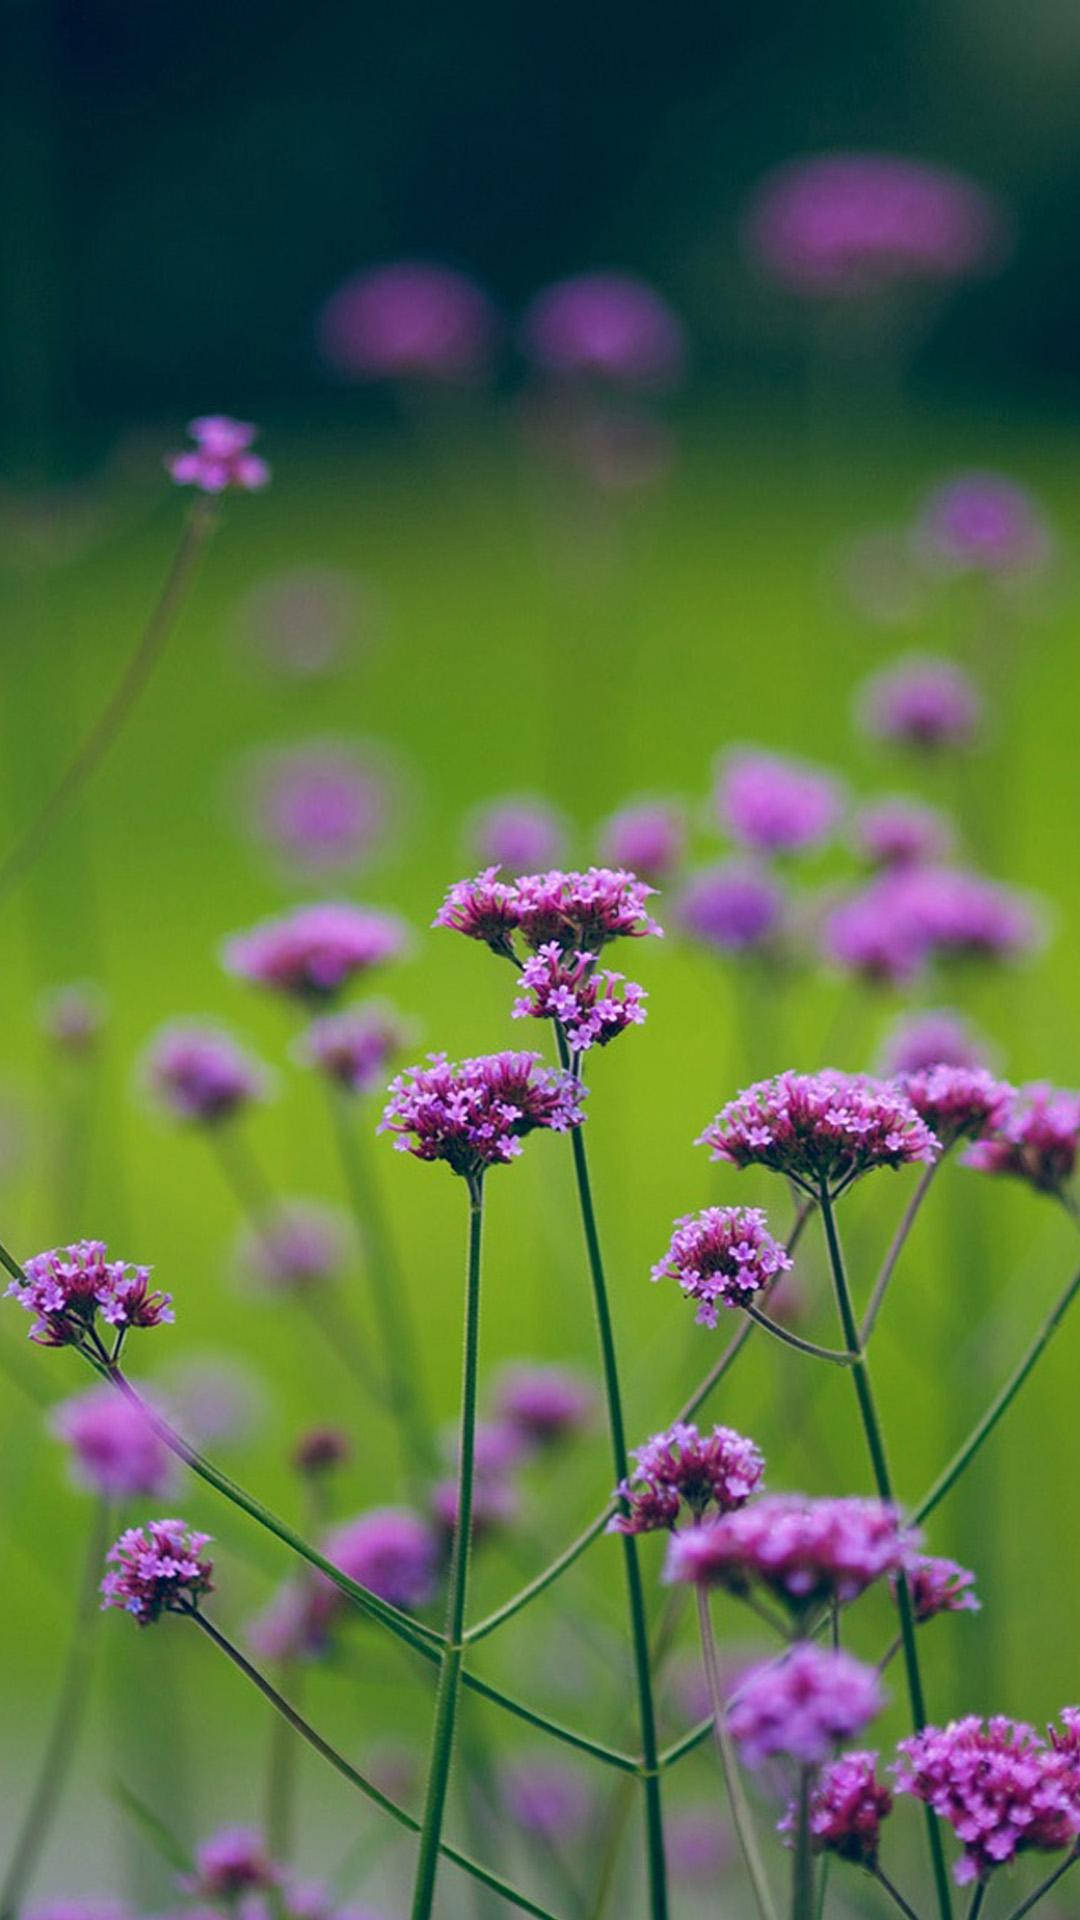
{"x": 722, "y": 1257}
{"x": 897, "y": 832}
{"x": 303, "y": 1245}
{"x": 798, "y": 1707}
{"x": 543, "y": 1404}
{"x": 591, "y": 1004}
{"x": 847, "y": 1807}
{"x": 609, "y": 326}
{"x": 518, "y": 833}
{"x": 983, "y": 523}
{"x": 321, "y": 806}
{"x": 1001, "y": 1788}
{"x": 712, "y": 1472}
{"x": 734, "y": 906}
{"x": 407, "y": 320}
{"x": 939, "y": 1586}
{"x": 315, "y": 951}
{"x": 321, "y": 1449}
{"x": 647, "y": 837}
{"x": 892, "y": 929}
{"x": 773, "y": 805}
{"x": 957, "y": 1103}
{"x": 475, "y": 1114}
{"x": 355, "y": 1047}
{"x": 233, "y": 1861}
{"x": 820, "y": 1129}
{"x": 933, "y": 1039}
{"x": 199, "y": 1073}
{"x": 114, "y": 1449}
{"x": 221, "y": 457}
{"x": 67, "y": 1287}
{"x": 921, "y": 702}
{"x": 1035, "y": 1139}
{"x": 803, "y": 1551}
{"x": 156, "y": 1569}
{"x": 579, "y": 912}
{"x": 390, "y": 1550}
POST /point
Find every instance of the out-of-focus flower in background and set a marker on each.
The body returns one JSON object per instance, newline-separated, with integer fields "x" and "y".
{"x": 408, "y": 320}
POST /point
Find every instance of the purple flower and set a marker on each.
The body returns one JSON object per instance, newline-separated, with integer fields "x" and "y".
{"x": 722, "y": 1257}
{"x": 715, "y": 1472}
{"x": 939, "y": 1586}
{"x": 482, "y": 909}
{"x": 774, "y": 805}
{"x": 355, "y": 1047}
{"x": 475, "y": 1114}
{"x": 874, "y": 936}
{"x": 590, "y": 1003}
{"x": 801, "y": 1705}
{"x": 921, "y": 702}
{"x": 66, "y": 1288}
{"x": 1036, "y": 1139}
{"x": 315, "y": 951}
{"x": 581, "y": 912}
{"x": 893, "y": 927}
{"x": 72, "y": 1017}
{"x": 699, "y": 1846}
{"x": 519, "y": 833}
{"x": 231, "y": 1862}
{"x": 293, "y": 1625}
{"x": 322, "y": 806}
{"x": 983, "y": 523}
{"x": 114, "y": 1449}
{"x": 495, "y": 1505}
{"x": 820, "y": 1129}
{"x": 609, "y": 326}
{"x": 407, "y": 320}
{"x": 546, "y": 1797}
{"x": 499, "y": 1447}
{"x": 938, "y": 1038}
{"x": 840, "y": 225}
{"x": 902, "y": 833}
{"x": 300, "y": 623}
{"x": 199, "y": 1073}
{"x": 157, "y": 1569}
{"x": 847, "y": 1807}
{"x": 545, "y": 1404}
{"x": 221, "y": 457}
{"x": 390, "y": 1550}
{"x": 957, "y": 1102}
{"x": 735, "y": 906}
{"x": 1001, "y": 1789}
{"x": 304, "y": 1245}
{"x": 805, "y": 1552}
{"x": 647, "y": 837}
{"x": 320, "y": 1449}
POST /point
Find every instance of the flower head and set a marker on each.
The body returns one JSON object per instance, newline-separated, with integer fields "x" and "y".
{"x": 1001, "y": 1789}
{"x": 805, "y": 1552}
{"x": 407, "y": 320}
{"x": 321, "y": 807}
{"x": 774, "y": 805}
{"x": 303, "y": 1245}
{"x": 647, "y": 836}
{"x": 72, "y": 1017}
{"x": 937, "y": 1038}
{"x": 957, "y": 1103}
{"x": 518, "y": 833}
{"x": 66, "y": 1288}
{"x": 114, "y": 1449}
{"x": 722, "y": 1257}
{"x": 801, "y": 1705}
{"x": 605, "y": 325}
{"x": 221, "y": 457}
{"x": 320, "y": 1449}
{"x": 355, "y": 1047}
{"x": 199, "y": 1073}
{"x": 706, "y": 1473}
{"x": 475, "y": 1114}
{"x": 590, "y": 1003}
{"x": 873, "y": 935}
{"x": 820, "y": 1128}
{"x": 231, "y": 1862}
{"x": 544, "y": 1404}
{"x": 735, "y": 906}
{"x": 495, "y": 1506}
{"x": 1035, "y": 1139}
{"x": 482, "y": 909}
{"x": 921, "y": 702}
{"x": 545, "y": 1797}
{"x": 939, "y": 1586}
{"x": 983, "y": 523}
{"x": 847, "y": 1807}
{"x": 898, "y": 832}
{"x": 390, "y": 1550}
{"x": 893, "y": 927}
{"x": 581, "y": 912}
{"x": 156, "y": 1569}
{"x": 315, "y": 951}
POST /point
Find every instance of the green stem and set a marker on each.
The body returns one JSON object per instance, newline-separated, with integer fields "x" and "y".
{"x": 875, "y": 1442}
{"x": 446, "y": 1698}
{"x": 1044, "y": 1887}
{"x": 281, "y": 1780}
{"x": 802, "y": 1870}
{"x": 793, "y": 1339}
{"x": 907, "y": 1221}
{"x": 977, "y": 1899}
{"x": 341, "y": 1765}
{"x": 894, "y": 1893}
{"x": 741, "y": 1817}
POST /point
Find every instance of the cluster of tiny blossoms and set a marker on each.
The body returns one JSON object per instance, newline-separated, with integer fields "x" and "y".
{"x": 798, "y": 1707}
{"x": 315, "y": 951}
{"x": 157, "y": 1569}
{"x": 704, "y": 1473}
{"x": 591, "y": 1003}
{"x": 1001, "y": 1788}
{"x": 939, "y": 1586}
{"x": 66, "y": 1288}
{"x": 847, "y": 1807}
{"x": 475, "y": 1114}
{"x": 805, "y": 1552}
{"x": 722, "y": 1257}
{"x": 1035, "y": 1139}
{"x": 199, "y": 1073}
{"x": 221, "y": 457}
{"x": 821, "y": 1129}
{"x": 354, "y": 1047}
{"x": 957, "y": 1102}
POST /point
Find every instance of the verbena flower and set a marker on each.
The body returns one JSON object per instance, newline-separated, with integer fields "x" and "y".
{"x": 800, "y": 1706}
{"x": 156, "y": 1569}
{"x": 939, "y": 1586}
{"x": 495, "y": 1506}
{"x": 114, "y": 1449}
{"x": 898, "y": 832}
{"x": 232, "y": 1862}
{"x": 921, "y": 702}
{"x": 200, "y": 1073}
{"x": 407, "y": 320}
{"x": 1001, "y": 1788}
{"x": 391, "y": 1550}
{"x": 321, "y": 1449}
{"x": 583, "y": 911}
{"x": 805, "y": 1552}
{"x": 304, "y": 1244}
{"x": 315, "y": 951}
{"x": 871, "y": 934}
{"x": 221, "y": 457}
{"x": 903, "y": 919}
{"x": 983, "y": 523}
{"x": 820, "y": 1129}
{"x": 847, "y": 1807}
{"x": 518, "y": 833}
{"x": 936, "y": 1038}
{"x": 609, "y": 326}
{"x": 321, "y": 806}
{"x": 1035, "y": 1139}
{"x": 770, "y": 804}
{"x": 545, "y": 1404}
{"x": 957, "y": 1103}
{"x": 475, "y": 1114}
{"x": 545, "y": 1797}
{"x": 482, "y": 909}
{"x": 72, "y": 1017}
{"x": 355, "y": 1047}
{"x": 722, "y": 1256}
{"x": 591, "y": 1004}
{"x": 66, "y": 1288}
{"x": 682, "y": 1468}
{"x": 647, "y": 837}
{"x": 699, "y": 1846}
{"x": 734, "y": 906}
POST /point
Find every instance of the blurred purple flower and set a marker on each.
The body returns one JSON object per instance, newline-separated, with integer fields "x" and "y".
{"x": 921, "y": 702}
{"x": 407, "y": 320}
{"x": 940, "y": 1586}
{"x": 982, "y": 523}
{"x": 72, "y": 1017}
{"x": 771, "y": 804}
{"x": 221, "y": 457}
{"x": 804, "y": 1552}
{"x": 801, "y": 1705}
{"x": 936, "y": 1038}
{"x": 957, "y": 1102}
{"x": 233, "y": 1861}
{"x": 315, "y": 951}
{"x": 610, "y": 326}
{"x": 734, "y": 906}
{"x": 495, "y": 1505}
{"x": 1036, "y": 1139}
{"x": 300, "y": 623}
{"x": 520, "y": 832}
{"x": 199, "y": 1073}
{"x": 391, "y": 1550}
{"x": 355, "y": 1047}
{"x": 114, "y": 1450}
{"x": 546, "y": 1797}
{"x": 646, "y": 836}
{"x": 699, "y": 1845}
{"x": 305, "y": 1244}
{"x": 899, "y": 832}
{"x": 322, "y": 806}
{"x": 545, "y": 1403}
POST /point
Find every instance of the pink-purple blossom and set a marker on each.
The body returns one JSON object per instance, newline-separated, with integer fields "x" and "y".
{"x": 711, "y": 1473}
{"x": 355, "y": 1047}
{"x": 847, "y": 1806}
{"x": 518, "y": 833}
{"x": 320, "y": 1449}
{"x": 591, "y": 1004}
{"x": 546, "y": 1797}
{"x": 1035, "y": 1139}
{"x": 921, "y": 702}
{"x": 321, "y": 807}
{"x": 957, "y": 1103}
{"x": 200, "y": 1073}
{"x": 898, "y": 832}
{"x": 314, "y": 951}
{"x": 982, "y": 522}
{"x": 647, "y": 837}
{"x": 66, "y": 1288}
{"x": 820, "y": 1129}
{"x": 545, "y": 1404}
{"x": 408, "y": 320}
{"x": 735, "y": 906}
{"x": 939, "y": 1586}
{"x": 304, "y": 1244}
{"x": 772, "y": 804}
{"x": 800, "y": 1706}
{"x": 475, "y": 1114}
{"x": 221, "y": 457}
{"x": 892, "y": 928}
{"x": 390, "y": 1550}
{"x": 583, "y": 911}
{"x": 485, "y": 908}
{"x": 804, "y": 1552}
{"x": 938, "y": 1037}
{"x": 114, "y": 1449}
{"x": 72, "y": 1017}
{"x": 1001, "y": 1788}
{"x": 722, "y": 1256}
{"x": 232, "y": 1862}
{"x": 609, "y": 326}
{"x": 156, "y": 1569}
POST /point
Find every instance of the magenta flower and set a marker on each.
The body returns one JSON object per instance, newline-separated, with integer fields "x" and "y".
{"x": 320, "y": 1449}
{"x": 321, "y": 807}
{"x": 921, "y": 702}
{"x": 715, "y": 1472}
{"x": 983, "y": 523}
{"x": 873, "y": 935}
{"x": 581, "y": 912}
{"x": 66, "y": 1288}
{"x": 518, "y": 833}
{"x": 475, "y": 1115}
{"x": 820, "y": 1129}
{"x": 546, "y": 1797}
{"x": 939, "y": 1586}
{"x": 608, "y": 326}
{"x": 842, "y": 225}
{"x": 293, "y": 1625}
{"x": 407, "y": 320}
{"x": 355, "y": 1047}
{"x": 390, "y": 1550}
{"x": 304, "y": 1245}
{"x": 221, "y": 457}
{"x": 647, "y": 837}
{"x": 1001, "y": 1789}
{"x": 157, "y": 1569}
{"x": 495, "y": 1506}
{"x": 199, "y": 1073}
{"x": 774, "y": 805}
{"x": 232, "y": 1862}
{"x": 957, "y": 1103}
{"x": 1036, "y": 1139}
{"x": 482, "y": 909}
{"x": 801, "y": 1705}
{"x": 902, "y": 833}
{"x": 699, "y": 1845}
{"x": 735, "y": 907}
{"x": 315, "y": 951}
{"x": 722, "y": 1256}
{"x": 894, "y": 926}
{"x": 805, "y": 1552}
{"x": 590, "y": 1003}
{"x": 937, "y": 1038}
{"x": 300, "y": 623}
{"x": 545, "y": 1404}
{"x": 847, "y": 1807}
{"x": 72, "y": 1017}
{"x": 114, "y": 1449}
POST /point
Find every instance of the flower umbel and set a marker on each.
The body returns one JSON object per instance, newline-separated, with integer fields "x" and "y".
{"x": 1001, "y": 1788}
{"x": 1035, "y": 1140}
{"x": 66, "y": 1288}
{"x": 590, "y": 1003}
{"x": 820, "y": 1129}
{"x": 199, "y": 1073}
{"x": 804, "y": 1552}
{"x": 315, "y": 951}
{"x": 847, "y": 1808}
{"x": 957, "y": 1103}
{"x": 157, "y": 1569}
{"x": 939, "y": 1586}
{"x": 714, "y": 1472}
{"x": 799, "y": 1706}
{"x": 354, "y": 1047}
{"x": 221, "y": 457}
{"x": 475, "y": 1114}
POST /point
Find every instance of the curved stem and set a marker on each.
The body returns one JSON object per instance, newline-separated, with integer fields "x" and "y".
{"x": 977, "y": 1899}
{"x": 1044, "y": 1887}
{"x": 88, "y": 756}
{"x": 896, "y": 1247}
{"x": 741, "y": 1817}
{"x": 348, "y": 1772}
{"x": 894, "y": 1893}
{"x": 793, "y": 1339}
{"x": 802, "y": 1869}
{"x": 446, "y": 1698}
{"x": 875, "y": 1441}
{"x": 67, "y": 1718}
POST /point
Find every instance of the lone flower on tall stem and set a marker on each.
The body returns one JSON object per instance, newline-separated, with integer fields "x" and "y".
{"x": 312, "y": 953}
{"x": 70, "y": 1290}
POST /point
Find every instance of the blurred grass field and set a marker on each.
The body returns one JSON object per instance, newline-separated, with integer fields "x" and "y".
{"x": 524, "y": 639}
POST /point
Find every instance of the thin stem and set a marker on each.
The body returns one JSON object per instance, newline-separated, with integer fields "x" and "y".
{"x": 446, "y": 1697}
{"x": 88, "y": 756}
{"x": 802, "y": 1868}
{"x": 348, "y": 1772}
{"x": 977, "y": 1899}
{"x": 875, "y": 1442}
{"x": 793, "y": 1339}
{"x": 896, "y": 1247}
{"x": 281, "y": 1779}
{"x": 1000, "y": 1405}
{"x": 609, "y": 1756}
{"x": 67, "y": 1719}
{"x": 1044, "y": 1886}
{"x": 741, "y": 1817}
{"x": 894, "y": 1893}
